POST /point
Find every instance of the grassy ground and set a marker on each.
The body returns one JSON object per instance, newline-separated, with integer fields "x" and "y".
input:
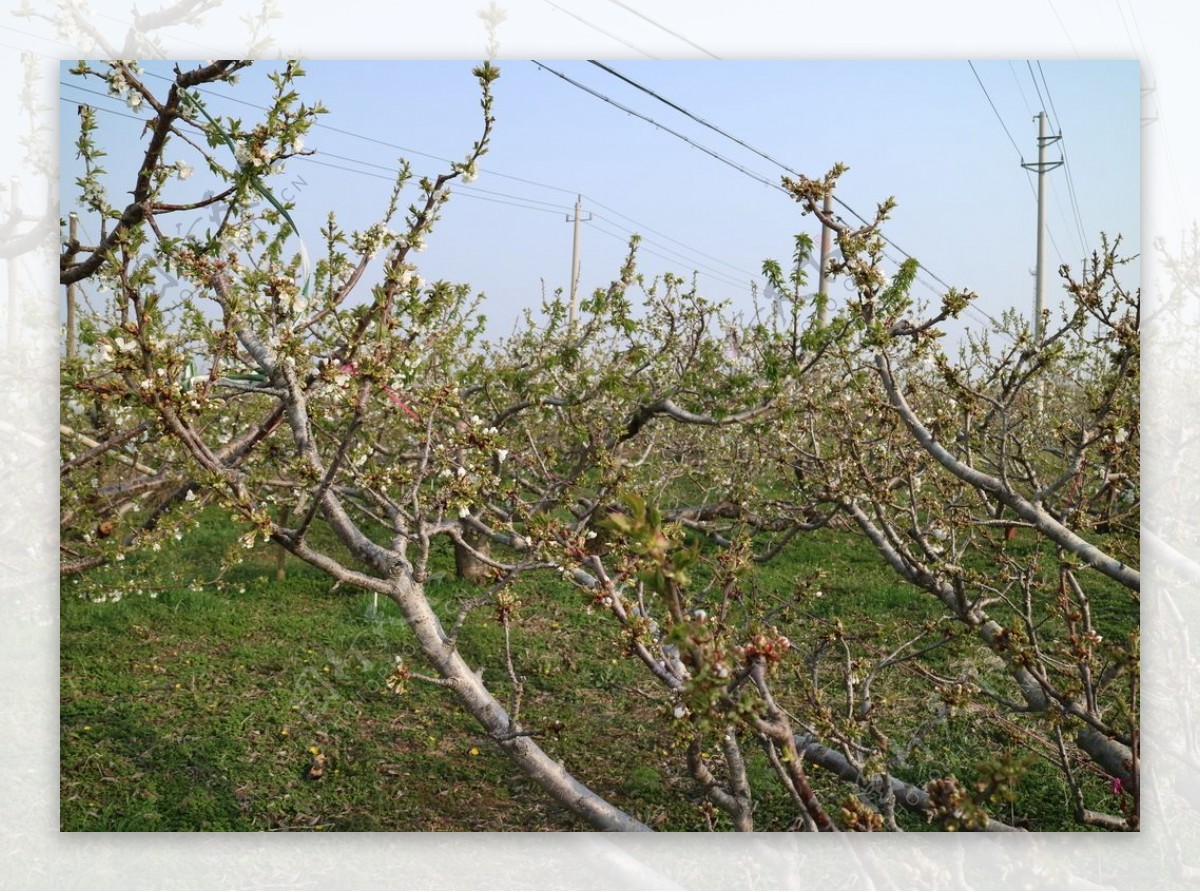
{"x": 216, "y": 707}
{"x": 205, "y": 710}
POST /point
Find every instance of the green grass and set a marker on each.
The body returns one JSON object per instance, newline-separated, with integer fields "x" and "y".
{"x": 202, "y": 707}
{"x": 199, "y": 710}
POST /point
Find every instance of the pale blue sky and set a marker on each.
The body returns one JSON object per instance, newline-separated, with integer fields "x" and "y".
{"x": 921, "y": 131}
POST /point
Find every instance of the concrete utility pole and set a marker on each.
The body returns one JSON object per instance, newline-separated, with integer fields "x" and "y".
{"x": 1041, "y": 166}
{"x": 576, "y": 218}
{"x": 826, "y": 247}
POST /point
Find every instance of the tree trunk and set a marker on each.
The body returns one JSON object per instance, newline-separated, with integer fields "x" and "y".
{"x": 551, "y": 775}
{"x": 468, "y": 566}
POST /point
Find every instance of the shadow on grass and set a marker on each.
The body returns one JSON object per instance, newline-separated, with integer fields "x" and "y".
{"x": 154, "y": 782}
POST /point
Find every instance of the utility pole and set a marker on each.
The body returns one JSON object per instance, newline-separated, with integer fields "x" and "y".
{"x": 576, "y": 218}
{"x": 1041, "y": 166}
{"x": 74, "y": 240}
{"x": 826, "y": 247}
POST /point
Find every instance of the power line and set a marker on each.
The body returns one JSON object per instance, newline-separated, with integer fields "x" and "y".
{"x": 1138, "y": 27}
{"x": 982, "y": 315}
{"x": 1049, "y": 231}
{"x": 514, "y": 204}
{"x": 724, "y": 160}
{"x": 1042, "y": 104}
{"x": 518, "y": 201}
{"x": 470, "y": 190}
{"x": 694, "y": 117}
{"x": 1012, "y": 68}
{"x": 708, "y": 151}
{"x": 70, "y": 47}
{"x": 309, "y": 159}
{"x": 688, "y": 260}
{"x": 99, "y": 93}
{"x": 1066, "y": 164}
{"x": 1062, "y": 143}
{"x": 738, "y": 167}
{"x": 101, "y": 108}
{"x": 1049, "y": 98}
{"x": 662, "y": 27}
{"x": 1062, "y": 25}
{"x": 323, "y": 126}
{"x": 726, "y": 134}
{"x": 407, "y": 150}
{"x": 379, "y": 176}
{"x": 473, "y": 192}
{"x": 758, "y": 178}
{"x": 699, "y": 120}
{"x": 209, "y": 50}
{"x": 466, "y": 188}
{"x": 642, "y": 250}
{"x": 1028, "y": 174}
{"x": 1144, "y": 59}
{"x": 25, "y": 49}
{"x": 642, "y": 226}
{"x": 1033, "y": 77}
{"x": 1128, "y": 33}
{"x": 597, "y": 28}
{"x": 473, "y": 189}
{"x": 979, "y": 80}
{"x": 459, "y": 187}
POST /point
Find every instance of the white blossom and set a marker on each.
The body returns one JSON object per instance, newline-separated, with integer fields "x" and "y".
{"x": 93, "y": 195}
